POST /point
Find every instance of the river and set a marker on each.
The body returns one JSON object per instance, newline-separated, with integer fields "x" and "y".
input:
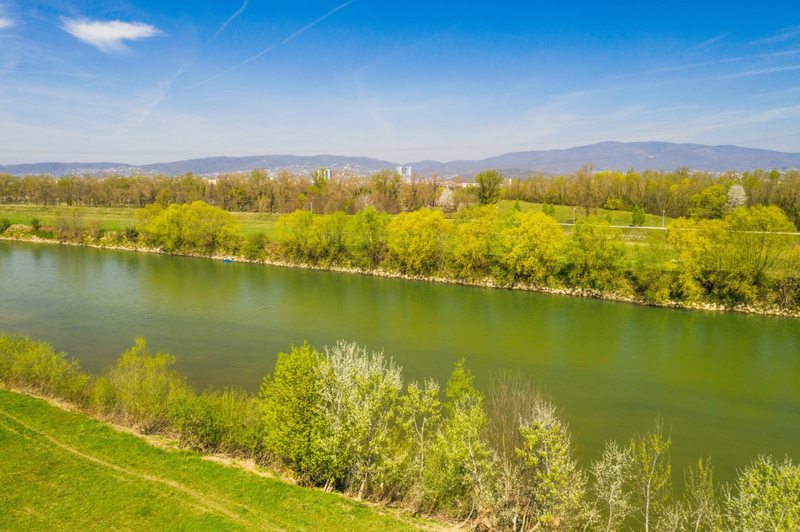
{"x": 725, "y": 384}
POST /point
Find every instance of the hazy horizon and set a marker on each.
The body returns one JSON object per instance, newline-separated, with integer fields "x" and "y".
{"x": 144, "y": 83}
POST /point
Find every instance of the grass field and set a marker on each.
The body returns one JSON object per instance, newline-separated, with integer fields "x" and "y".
{"x": 119, "y": 218}
{"x": 65, "y": 471}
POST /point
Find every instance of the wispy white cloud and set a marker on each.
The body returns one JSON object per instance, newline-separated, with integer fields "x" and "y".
{"x": 109, "y": 36}
{"x": 230, "y": 19}
{"x": 758, "y": 72}
{"x": 712, "y": 40}
{"x": 6, "y": 23}
{"x": 783, "y": 35}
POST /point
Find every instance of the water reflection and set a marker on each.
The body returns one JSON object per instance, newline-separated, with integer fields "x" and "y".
{"x": 727, "y": 384}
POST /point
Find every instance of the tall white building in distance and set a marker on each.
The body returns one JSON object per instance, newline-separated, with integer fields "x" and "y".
{"x": 405, "y": 172}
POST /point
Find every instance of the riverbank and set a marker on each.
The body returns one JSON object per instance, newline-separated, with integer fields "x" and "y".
{"x": 66, "y": 470}
{"x": 21, "y": 233}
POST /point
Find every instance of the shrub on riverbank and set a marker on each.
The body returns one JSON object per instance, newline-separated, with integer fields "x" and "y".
{"x": 343, "y": 419}
{"x": 28, "y": 364}
{"x": 184, "y": 228}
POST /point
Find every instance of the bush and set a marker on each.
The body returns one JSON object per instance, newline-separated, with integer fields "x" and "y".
{"x": 35, "y": 365}
{"x": 416, "y": 242}
{"x": 35, "y": 224}
{"x": 595, "y": 255}
{"x": 369, "y": 238}
{"x": 130, "y": 234}
{"x": 530, "y": 248}
{"x": 195, "y": 228}
{"x": 5, "y": 223}
{"x": 255, "y": 246}
{"x": 291, "y": 398}
{"x": 141, "y": 389}
{"x": 226, "y": 421}
{"x": 766, "y": 496}
{"x": 69, "y": 224}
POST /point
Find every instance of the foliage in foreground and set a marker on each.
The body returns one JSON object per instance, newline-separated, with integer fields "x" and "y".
{"x": 343, "y": 419}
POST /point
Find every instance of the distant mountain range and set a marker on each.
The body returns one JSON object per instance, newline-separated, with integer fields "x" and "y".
{"x": 604, "y": 156}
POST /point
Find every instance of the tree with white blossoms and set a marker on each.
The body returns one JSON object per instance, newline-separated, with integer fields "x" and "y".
{"x": 700, "y": 498}
{"x": 610, "y": 489}
{"x": 358, "y": 400}
{"x": 737, "y": 197}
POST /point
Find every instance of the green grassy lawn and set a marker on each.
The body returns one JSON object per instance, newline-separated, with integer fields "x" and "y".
{"x": 65, "y": 471}
{"x": 564, "y": 214}
{"x": 119, "y": 218}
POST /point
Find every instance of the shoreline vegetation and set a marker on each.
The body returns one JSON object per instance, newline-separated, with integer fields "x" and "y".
{"x": 343, "y": 419}
{"x": 741, "y": 262}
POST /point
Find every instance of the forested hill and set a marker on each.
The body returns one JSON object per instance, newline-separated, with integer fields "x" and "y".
{"x": 604, "y": 156}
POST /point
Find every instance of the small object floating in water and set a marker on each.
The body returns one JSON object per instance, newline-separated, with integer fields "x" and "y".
{"x": 227, "y": 260}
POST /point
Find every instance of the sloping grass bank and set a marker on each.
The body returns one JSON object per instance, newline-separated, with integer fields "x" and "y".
{"x": 66, "y": 471}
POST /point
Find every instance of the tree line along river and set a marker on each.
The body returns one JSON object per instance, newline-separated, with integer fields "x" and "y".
{"x": 725, "y": 384}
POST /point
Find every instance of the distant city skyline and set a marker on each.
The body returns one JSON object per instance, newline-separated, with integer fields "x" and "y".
{"x": 144, "y": 82}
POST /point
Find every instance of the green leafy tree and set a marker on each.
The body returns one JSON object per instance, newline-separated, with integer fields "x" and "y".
{"x": 530, "y": 248}
{"x": 488, "y": 184}
{"x": 766, "y": 497}
{"x": 458, "y": 472}
{"x": 637, "y": 216}
{"x": 730, "y": 259}
{"x": 370, "y": 235}
{"x": 298, "y": 237}
{"x": 416, "y": 242}
{"x": 196, "y": 227}
{"x": 473, "y": 243}
{"x": 710, "y": 203}
{"x": 332, "y": 232}
{"x": 291, "y": 398}
{"x": 595, "y": 255}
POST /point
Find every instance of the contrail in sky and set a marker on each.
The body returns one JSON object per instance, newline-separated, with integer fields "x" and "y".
{"x": 253, "y": 58}
{"x": 273, "y": 47}
{"x": 225, "y": 25}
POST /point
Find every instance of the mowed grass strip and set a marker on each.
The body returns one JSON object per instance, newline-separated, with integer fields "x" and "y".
{"x": 65, "y": 471}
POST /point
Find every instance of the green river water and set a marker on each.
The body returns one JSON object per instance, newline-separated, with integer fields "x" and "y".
{"x": 725, "y": 384}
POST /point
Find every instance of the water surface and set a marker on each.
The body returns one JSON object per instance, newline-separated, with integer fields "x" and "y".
{"x": 725, "y": 384}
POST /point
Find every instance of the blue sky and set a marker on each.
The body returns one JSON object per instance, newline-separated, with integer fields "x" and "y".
{"x": 140, "y": 82}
